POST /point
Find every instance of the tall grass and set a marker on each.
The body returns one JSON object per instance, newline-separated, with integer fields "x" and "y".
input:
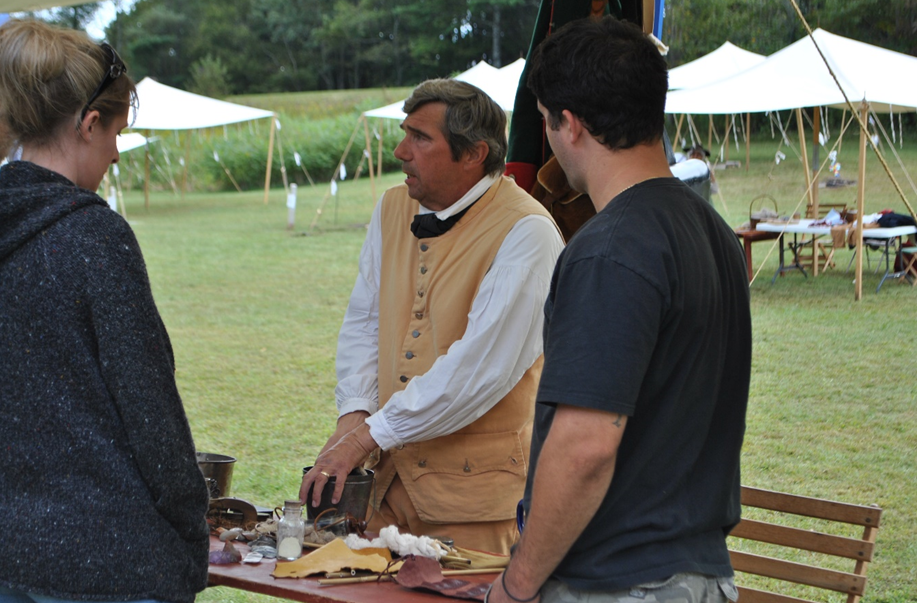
{"x": 253, "y": 311}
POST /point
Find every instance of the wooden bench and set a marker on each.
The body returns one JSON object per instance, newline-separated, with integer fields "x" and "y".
{"x": 790, "y": 542}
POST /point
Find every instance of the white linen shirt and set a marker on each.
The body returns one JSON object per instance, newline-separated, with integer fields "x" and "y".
{"x": 502, "y": 340}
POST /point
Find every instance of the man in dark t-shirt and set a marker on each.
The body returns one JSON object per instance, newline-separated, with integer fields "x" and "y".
{"x": 641, "y": 406}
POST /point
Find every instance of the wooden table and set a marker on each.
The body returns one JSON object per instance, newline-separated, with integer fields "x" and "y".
{"x": 753, "y": 236}
{"x": 257, "y": 578}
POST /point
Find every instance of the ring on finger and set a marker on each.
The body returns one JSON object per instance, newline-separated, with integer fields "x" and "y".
{"x": 325, "y": 473}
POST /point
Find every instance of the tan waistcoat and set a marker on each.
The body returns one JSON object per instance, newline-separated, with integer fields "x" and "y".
{"x": 427, "y": 289}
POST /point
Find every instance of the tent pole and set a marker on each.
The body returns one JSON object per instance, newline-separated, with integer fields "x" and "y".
{"x": 270, "y": 159}
{"x": 816, "y": 133}
{"x": 861, "y": 202}
{"x": 146, "y": 172}
{"x": 747, "y": 140}
{"x": 649, "y": 16}
{"x": 729, "y": 125}
{"x": 283, "y": 165}
{"x": 379, "y": 156}
{"x": 369, "y": 155}
{"x": 184, "y": 171}
{"x": 681, "y": 120}
{"x": 710, "y": 132}
{"x": 812, "y": 210}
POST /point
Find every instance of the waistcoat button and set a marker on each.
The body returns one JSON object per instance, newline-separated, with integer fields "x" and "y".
{"x": 420, "y": 294}
{"x": 409, "y": 355}
{"x": 424, "y": 247}
{"x": 422, "y": 463}
{"x": 415, "y": 334}
{"x": 418, "y": 315}
{"x": 403, "y": 379}
{"x": 423, "y": 269}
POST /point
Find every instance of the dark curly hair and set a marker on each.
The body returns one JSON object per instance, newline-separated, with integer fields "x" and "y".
{"x": 609, "y": 74}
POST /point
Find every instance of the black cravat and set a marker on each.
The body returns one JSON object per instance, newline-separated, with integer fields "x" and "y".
{"x": 426, "y": 226}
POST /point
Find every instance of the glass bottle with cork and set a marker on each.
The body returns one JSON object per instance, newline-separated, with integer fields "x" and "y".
{"x": 290, "y": 531}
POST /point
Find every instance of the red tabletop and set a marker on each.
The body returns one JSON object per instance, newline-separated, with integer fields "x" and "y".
{"x": 257, "y": 578}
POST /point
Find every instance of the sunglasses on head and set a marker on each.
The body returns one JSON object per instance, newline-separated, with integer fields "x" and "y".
{"x": 115, "y": 70}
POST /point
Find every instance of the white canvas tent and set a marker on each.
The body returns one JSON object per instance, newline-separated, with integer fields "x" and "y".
{"x": 162, "y": 107}
{"x": 165, "y": 108}
{"x": 499, "y": 84}
{"x": 723, "y": 62}
{"x": 130, "y": 141}
{"x": 797, "y": 76}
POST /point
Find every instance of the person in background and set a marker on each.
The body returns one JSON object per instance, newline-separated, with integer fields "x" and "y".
{"x": 642, "y": 400}
{"x": 440, "y": 351}
{"x": 101, "y": 498}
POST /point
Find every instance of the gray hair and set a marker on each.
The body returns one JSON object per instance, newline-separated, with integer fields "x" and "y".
{"x": 471, "y": 117}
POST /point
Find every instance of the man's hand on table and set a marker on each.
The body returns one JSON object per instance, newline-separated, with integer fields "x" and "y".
{"x": 346, "y": 449}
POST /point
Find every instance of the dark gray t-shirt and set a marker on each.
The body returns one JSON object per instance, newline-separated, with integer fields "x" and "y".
{"x": 648, "y": 316}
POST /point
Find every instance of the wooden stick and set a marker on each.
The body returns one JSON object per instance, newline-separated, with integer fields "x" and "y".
{"x": 354, "y": 580}
{"x": 388, "y": 577}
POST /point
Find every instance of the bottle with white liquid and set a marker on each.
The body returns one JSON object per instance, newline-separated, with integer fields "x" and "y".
{"x": 290, "y": 531}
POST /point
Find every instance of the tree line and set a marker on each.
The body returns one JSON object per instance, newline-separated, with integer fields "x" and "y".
{"x": 223, "y": 47}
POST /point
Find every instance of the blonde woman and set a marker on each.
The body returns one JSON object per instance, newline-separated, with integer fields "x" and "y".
{"x": 100, "y": 495}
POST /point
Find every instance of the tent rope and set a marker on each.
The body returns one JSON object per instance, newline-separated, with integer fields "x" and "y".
{"x": 894, "y": 152}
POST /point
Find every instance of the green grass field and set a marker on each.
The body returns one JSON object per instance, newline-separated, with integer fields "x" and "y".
{"x": 253, "y": 311}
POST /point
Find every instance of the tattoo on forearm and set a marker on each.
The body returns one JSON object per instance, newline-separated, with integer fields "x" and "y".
{"x": 617, "y": 421}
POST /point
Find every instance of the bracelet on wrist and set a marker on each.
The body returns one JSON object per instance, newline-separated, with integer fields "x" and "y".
{"x": 511, "y": 595}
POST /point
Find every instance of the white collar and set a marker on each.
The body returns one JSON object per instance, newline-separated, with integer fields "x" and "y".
{"x": 473, "y": 194}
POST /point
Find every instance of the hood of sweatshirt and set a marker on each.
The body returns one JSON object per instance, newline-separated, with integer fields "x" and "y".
{"x": 32, "y": 199}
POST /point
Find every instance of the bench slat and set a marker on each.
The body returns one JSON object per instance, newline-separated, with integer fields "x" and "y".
{"x": 797, "y": 572}
{"x": 811, "y": 507}
{"x": 752, "y": 595}
{"x": 817, "y": 542}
